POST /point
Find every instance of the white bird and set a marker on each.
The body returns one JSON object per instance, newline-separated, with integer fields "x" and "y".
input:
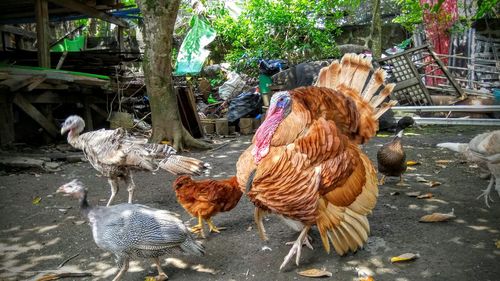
{"x": 484, "y": 150}
{"x": 114, "y": 153}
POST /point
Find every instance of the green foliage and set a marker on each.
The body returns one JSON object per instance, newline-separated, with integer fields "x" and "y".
{"x": 411, "y": 15}
{"x": 486, "y": 7}
{"x": 291, "y": 29}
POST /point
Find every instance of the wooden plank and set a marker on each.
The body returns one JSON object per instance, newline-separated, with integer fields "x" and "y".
{"x": 42, "y": 32}
{"x": 7, "y": 133}
{"x": 18, "y": 31}
{"x": 89, "y": 11}
{"x": 54, "y": 97}
{"x": 37, "y": 81}
{"x": 448, "y": 74}
{"x": 17, "y": 82}
{"x": 61, "y": 60}
{"x": 33, "y": 112}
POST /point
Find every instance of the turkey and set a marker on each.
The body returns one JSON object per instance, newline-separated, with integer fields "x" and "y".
{"x": 133, "y": 230}
{"x": 484, "y": 150}
{"x": 114, "y": 153}
{"x": 305, "y": 163}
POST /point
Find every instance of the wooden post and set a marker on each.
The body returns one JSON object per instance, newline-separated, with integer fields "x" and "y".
{"x": 42, "y": 32}
{"x": 7, "y": 134}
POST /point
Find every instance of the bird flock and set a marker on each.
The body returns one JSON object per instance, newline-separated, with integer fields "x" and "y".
{"x": 304, "y": 165}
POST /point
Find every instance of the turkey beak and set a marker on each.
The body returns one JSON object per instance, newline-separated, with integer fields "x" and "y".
{"x": 64, "y": 130}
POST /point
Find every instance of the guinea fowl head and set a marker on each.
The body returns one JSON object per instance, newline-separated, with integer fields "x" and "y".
{"x": 279, "y": 108}
{"x": 73, "y": 188}
{"x": 73, "y": 123}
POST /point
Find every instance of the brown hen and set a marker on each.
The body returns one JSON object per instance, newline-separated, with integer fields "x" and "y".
{"x": 205, "y": 198}
{"x": 305, "y": 163}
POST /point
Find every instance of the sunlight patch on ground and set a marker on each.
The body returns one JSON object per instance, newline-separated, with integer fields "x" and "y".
{"x": 178, "y": 263}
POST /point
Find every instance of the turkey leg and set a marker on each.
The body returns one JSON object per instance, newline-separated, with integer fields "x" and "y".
{"x": 129, "y": 180}
{"x": 113, "y": 182}
{"x": 297, "y": 247}
{"x": 258, "y": 216}
{"x": 161, "y": 274}
{"x": 382, "y": 180}
{"x": 486, "y": 192}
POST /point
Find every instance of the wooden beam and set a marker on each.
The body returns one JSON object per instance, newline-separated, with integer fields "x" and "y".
{"x": 18, "y": 31}
{"x": 7, "y": 133}
{"x": 42, "y": 32}
{"x": 89, "y": 11}
{"x": 448, "y": 74}
{"x": 33, "y": 112}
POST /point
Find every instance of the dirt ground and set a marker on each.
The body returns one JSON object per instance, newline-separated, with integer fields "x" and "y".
{"x": 36, "y": 238}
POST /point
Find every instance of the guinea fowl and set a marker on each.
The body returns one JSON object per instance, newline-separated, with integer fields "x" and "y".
{"x": 391, "y": 157}
{"x": 133, "y": 230}
{"x": 484, "y": 150}
{"x": 114, "y": 153}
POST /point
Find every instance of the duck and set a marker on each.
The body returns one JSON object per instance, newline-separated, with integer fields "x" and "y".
{"x": 391, "y": 157}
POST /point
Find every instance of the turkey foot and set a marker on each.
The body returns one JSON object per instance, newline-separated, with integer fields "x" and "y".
{"x": 212, "y": 226}
{"x": 297, "y": 248}
{"x": 161, "y": 274}
{"x": 198, "y": 229}
{"x": 401, "y": 182}
{"x": 382, "y": 181}
{"x": 486, "y": 192}
{"x": 306, "y": 242}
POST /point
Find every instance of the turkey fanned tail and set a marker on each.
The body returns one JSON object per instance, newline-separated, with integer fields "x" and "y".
{"x": 181, "y": 165}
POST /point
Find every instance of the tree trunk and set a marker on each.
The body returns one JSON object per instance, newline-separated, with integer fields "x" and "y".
{"x": 375, "y": 42}
{"x": 159, "y": 20}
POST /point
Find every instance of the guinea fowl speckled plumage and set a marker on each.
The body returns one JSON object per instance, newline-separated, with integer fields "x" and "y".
{"x": 391, "y": 157}
{"x": 133, "y": 230}
{"x": 114, "y": 153}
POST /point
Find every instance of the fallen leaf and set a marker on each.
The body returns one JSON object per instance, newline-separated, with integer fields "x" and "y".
{"x": 367, "y": 278}
{"x": 315, "y": 273}
{"x": 150, "y": 278}
{"x": 394, "y": 193}
{"x": 412, "y": 163}
{"x": 425, "y": 196}
{"x": 497, "y": 244}
{"x": 411, "y": 169}
{"x": 413, "y": 194}
{"x": 441, "y": 166}
{"x": 441, "y": 161}
{"x": 405, "y": 257}
{"x": 432, "y": 183}
{"x": 391, "y": 206}
{"x": 420, "y": 179}
{"x": 438, "y": 217}
{"x": 266, "y": 248}
{"x": 36, "y": 200}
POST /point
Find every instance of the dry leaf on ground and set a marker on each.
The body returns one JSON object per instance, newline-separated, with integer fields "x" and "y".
{"x": 425, "y": 196}
{"x": 413, "y": 194}
{"x": 367, "y": 278}
{"x": 497, "y": 244}
{"x": 421, "y": 179}
{"x": 443, "y": 161}
{"x": 36, "y": 200}
{"x": 315, "y": 273}
{"x": 405, "y": 257}
{"x": 437, "y": 217}
{"x": 412, "y": 163}
{"x": 432, "y": 183}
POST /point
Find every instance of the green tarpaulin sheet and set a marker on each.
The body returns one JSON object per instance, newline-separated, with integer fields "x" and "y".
{"x": 192, "y": 53}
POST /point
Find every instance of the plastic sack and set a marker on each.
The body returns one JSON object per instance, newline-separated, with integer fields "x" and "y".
{"x": 192, "y": 53}
{"x": 248, "y": 103}
{"x": 232, "y": 86}
{"x": 271, "y": 67}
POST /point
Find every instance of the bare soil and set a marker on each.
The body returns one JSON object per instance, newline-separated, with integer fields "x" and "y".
{"x": 36, "y": 238}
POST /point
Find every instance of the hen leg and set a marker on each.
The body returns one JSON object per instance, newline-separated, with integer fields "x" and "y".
{"x": 486, "y": 192}
{"x": 212, "y": 226}
{"x": 382, "y": 180}
{"x": 297, "y": 247}
{"x": 198, "y": 229}
{"x": 401, "y": 181}
{"x": 129, "y": 180}
{"x": 113, "y": 182}
{"x": 161, "y": 274}
{"x": 123, "y": 265}
{"x": 258, "y": 217}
